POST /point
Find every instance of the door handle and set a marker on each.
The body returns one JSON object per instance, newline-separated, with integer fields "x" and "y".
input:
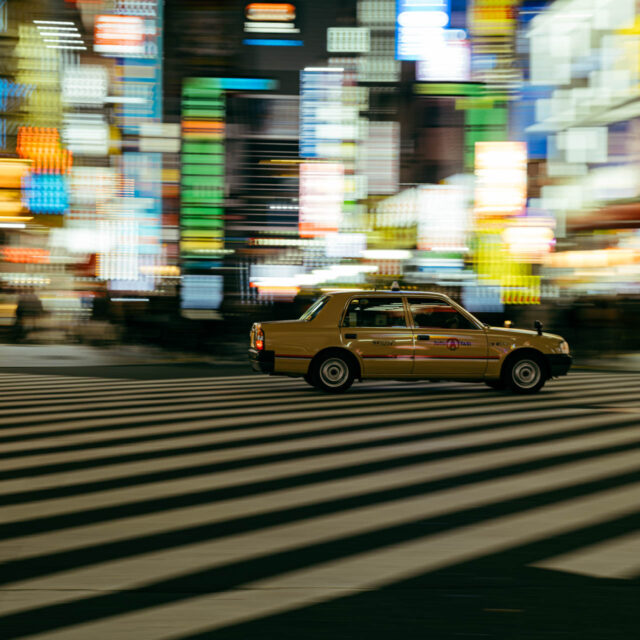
{"x": 351, "y": 336}
{"x": 423, "y": 337}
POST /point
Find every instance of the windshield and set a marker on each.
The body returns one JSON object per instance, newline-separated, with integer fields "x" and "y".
{"x": 314, "y": 309}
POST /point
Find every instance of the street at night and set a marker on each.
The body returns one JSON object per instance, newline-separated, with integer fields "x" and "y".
{"x": 246, "y": 506}
{"x": 319, "y": 319}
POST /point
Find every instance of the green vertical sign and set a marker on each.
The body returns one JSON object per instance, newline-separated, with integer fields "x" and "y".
{"x": 203, "y": 174}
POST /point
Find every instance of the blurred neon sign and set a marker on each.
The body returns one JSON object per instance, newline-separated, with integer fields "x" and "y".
{"x": 42, "y": 145}
{"x": 266, "y": 11}
{"x": 45, "y": 193}
{"x": 321, "y": 196}
{"x": 501, "y": 178}
{"x": 321, "y": 112}
{"x": 119, "y": 35}
{"x": 492, "y": 17}
{"x": 415, "y": 20}
{"x": 26, "y": 255}
{"x": 276, "y": 18}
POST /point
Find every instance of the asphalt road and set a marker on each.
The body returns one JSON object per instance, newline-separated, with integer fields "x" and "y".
{"x": 191, "y": 503}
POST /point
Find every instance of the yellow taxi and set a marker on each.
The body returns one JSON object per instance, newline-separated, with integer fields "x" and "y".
{"x": 400, "y": 335}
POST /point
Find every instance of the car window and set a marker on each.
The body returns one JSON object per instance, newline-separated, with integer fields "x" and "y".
{"x": 314, "y": 309}
{"x": 375, "y": 312}
{"x": 437, "y": 314}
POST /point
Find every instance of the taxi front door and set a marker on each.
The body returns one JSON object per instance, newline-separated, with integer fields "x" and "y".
{"x": 447, "y": 344}
{"x": 376, "y": 329}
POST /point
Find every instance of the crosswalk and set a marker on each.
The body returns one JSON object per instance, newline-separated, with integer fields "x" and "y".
{"x": 208, "y": 507}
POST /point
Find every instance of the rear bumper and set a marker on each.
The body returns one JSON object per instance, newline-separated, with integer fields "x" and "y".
{"x": 262, "y": 361}
{"x": 559, "y": 364}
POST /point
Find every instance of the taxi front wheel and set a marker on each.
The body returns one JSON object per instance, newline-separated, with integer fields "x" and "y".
{"x": 332, "y": 373}
{"x": 526, "y": 374}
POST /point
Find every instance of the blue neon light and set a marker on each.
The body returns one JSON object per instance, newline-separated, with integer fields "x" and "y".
{"x": 247, "y": 84}
{"x": 45, "y": 193}
{"x": 264, "y": 42}
{"x": 243, "y": 84}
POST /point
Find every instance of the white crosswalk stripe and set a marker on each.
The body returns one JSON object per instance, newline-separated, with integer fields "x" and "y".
{"x": 252, "y": 496}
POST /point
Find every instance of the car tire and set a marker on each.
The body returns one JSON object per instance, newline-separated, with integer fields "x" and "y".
{"x": 308, "y": 378}
{"x": 525, "y": 374}
{"x": 498, "y": 385}
{"x": 332, "y": 373}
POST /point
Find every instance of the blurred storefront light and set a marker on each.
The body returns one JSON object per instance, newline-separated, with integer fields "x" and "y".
{"x": 593, "y": 259}
{"x": 444, "y": 219}
{"x": 321, "y": 112}
{"x": 348, "y": 39}
{"x": 321, "y": 198}
{"x": 271, "y": 18}
{"x": 201, "y": 292}
{"x": 529, "y": 243}
{"x": 26, "y": 255}
{"x": 86, "y": 136}
{"x": 378, "y": 157}
{"x": 386, "y": 254}
{"x": 42, "y": 146}
{"x": 501, "y": 178}
{"x": 414, "y": 21}
{"x": 85, "y": 85}
{"x": 446, "y": 59}
{"x": 119, "y": 35}
{"x": 46, "y": 193}
{"x": 345, "y": 245}
{"x": 492, "y": 17}
{"x": 583, "y": 144}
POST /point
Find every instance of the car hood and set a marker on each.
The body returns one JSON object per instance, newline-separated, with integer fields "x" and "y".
{"x": 503, "y": 331}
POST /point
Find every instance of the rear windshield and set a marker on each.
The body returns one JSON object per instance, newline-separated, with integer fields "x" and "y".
{"x": 315, "y": 308}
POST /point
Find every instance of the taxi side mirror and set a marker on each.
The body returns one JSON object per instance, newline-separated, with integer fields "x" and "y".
{"x": 537, "y": 325}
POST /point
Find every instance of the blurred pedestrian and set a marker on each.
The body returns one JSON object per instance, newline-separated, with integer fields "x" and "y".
{"x": 28, "y": 311}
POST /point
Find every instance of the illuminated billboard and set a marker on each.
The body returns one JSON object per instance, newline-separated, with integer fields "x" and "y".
{"x": 492, "y": 17}
{"x": 267, "y": 17}
{"x": 446, "y": 60}
{"x": 379, "y": 157}
{"x": 321, "y": 196}
{"x": 416, "y": 21}
{"x": 501, "y": 178}
{"x": 119, "y": 35}
{"x": 321, "y": 112}
{"x": 443, "y": 218}
{"x": 275, "y": 18}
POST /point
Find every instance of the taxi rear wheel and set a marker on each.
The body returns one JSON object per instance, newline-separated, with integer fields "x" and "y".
{"x": 332, "y": 373}
{"x": 526, "y": 374}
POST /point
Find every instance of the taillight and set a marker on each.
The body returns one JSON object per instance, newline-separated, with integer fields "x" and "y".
{"x": 259, "y": 339}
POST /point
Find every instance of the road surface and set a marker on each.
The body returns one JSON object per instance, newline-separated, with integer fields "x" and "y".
{"x": 247, "y": 506}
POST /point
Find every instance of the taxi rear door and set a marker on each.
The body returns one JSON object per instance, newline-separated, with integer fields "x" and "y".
{"x": 447, "y": 343}
{"x": 376, "y": 329}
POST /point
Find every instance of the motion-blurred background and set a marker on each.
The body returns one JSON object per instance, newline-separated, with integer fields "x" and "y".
{"x": 172, "y": 171}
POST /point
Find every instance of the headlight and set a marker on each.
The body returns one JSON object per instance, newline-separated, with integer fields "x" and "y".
{"x": 564, "y": 347}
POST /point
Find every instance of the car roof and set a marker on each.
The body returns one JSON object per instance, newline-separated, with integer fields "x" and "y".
{"x": 370, "y": 292}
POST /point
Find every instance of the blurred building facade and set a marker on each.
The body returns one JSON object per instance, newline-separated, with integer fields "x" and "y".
{"x": 193, "y": 162}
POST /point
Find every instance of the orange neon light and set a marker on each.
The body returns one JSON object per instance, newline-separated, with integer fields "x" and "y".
{"x": 26, "y": 255}
{"x": 208, "y": 125}
{"x": 117, "y": 32}
{"x": 267, "y": 12}
{"x": 42, "y": 146}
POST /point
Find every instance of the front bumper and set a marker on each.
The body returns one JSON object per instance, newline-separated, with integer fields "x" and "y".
{"x": 262, "y": 361}
{"x": 559, "y": 364}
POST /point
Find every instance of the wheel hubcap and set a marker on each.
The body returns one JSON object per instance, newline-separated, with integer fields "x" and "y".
{"x": 526, "y": 374}
{"x": 334, "y": 372}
